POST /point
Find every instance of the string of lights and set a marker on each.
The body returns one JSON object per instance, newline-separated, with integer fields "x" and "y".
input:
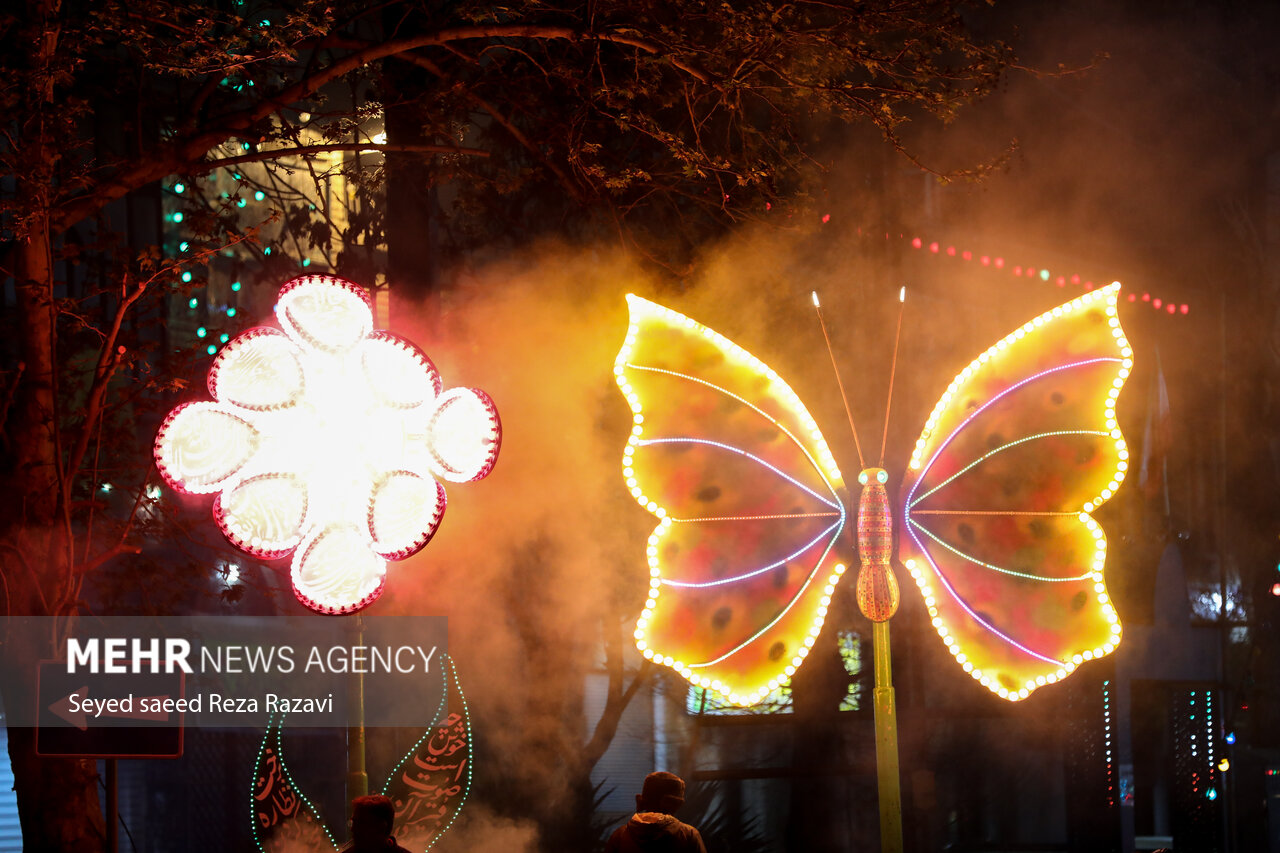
{"x": 1041, "y": 273}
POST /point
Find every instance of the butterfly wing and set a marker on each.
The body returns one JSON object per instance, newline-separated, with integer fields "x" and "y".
{"x": 432, "y": 780}
{"x": 283, "y": 819}
{"x": 742, "y": 562}
{"x": 996, "y": 528}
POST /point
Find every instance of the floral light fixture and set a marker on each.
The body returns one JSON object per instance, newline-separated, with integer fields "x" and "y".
{"x": 327, "y": 440}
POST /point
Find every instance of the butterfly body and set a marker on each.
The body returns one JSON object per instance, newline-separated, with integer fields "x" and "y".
{"x": 995, "y": 508}
{"x": 877, "y": 587}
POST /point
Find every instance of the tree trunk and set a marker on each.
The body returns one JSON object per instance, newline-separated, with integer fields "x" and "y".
{"x": 57, "y": 797}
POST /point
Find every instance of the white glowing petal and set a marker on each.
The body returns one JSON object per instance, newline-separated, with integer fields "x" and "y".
{"x": 404, "y": 512}
{"x": 323, "y": 312}
{"x": 335, "y": 571}
{"x": 258, "y": 371}
{"x": 263, "y": 515}
{"x": 463, "y": 435}
{"x": 398, "y": 373}
{"x": 201, "y": 446}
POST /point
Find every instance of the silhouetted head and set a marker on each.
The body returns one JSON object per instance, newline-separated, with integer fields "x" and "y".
{"x": 371, "y": 820}
{"x": 663, "y": 792}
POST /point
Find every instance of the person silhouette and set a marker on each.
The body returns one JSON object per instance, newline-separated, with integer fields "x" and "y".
{"x": 654, "y": 827}
{"x": 371, "y": 820}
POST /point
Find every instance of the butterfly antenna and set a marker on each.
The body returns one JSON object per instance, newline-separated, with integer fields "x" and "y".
{"x": 893, "y": 369}
{"x": 843, "y": 398}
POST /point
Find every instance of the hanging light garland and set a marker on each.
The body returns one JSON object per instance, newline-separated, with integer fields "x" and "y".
{"x": 1038, "y": 272}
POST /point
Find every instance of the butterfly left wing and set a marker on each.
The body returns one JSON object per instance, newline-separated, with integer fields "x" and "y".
{"x": 743, "y": 561}
{"x": 432, "y": 780}
{"x": 996, "y": 528}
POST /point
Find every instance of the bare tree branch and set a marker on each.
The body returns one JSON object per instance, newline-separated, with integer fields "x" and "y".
{"x": 308, "y": 150}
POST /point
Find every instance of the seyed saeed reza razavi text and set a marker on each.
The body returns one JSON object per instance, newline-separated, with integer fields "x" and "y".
{"x": 114, "y": 655}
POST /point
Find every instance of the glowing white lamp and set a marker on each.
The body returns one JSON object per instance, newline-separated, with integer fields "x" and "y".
{"x": 327, "y": 439}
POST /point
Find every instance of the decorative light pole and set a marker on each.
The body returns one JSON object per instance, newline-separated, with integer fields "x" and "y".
{"x": 327, "y": 440}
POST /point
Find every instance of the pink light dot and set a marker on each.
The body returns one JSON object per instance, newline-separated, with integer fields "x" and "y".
{"x": 967, "y": 255}
{"x": 917, "y": 243}
{"x": 768, "y": 205}
{"x": 951, "y": 250}
{"x": 1088, "y": 285}
{"x": 1146, "y": 297}
{"x": 1133, "y": 297}
{"x": 999, "y": 263}
{"x": 1185, "y": 308}
{"x": 826, "y": 217}
{"x": 1017, "y": 270}
{"x": 1156, "y": 303}
{"x": 1062, "y": 281}
{"x": 985, "y": 260}
{"x": 933, "y": 247}
{"x": 1171, "y": 307}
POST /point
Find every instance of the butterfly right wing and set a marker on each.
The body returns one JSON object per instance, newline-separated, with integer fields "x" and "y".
{"x": 997, "y": 530}
{"x": 743, "y": 561}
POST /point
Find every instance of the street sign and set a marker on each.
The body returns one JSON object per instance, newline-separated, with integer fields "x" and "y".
{"x": 102, "y": 715}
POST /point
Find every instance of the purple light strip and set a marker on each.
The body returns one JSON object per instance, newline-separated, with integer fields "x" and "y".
{"x": 799, "y": 444}
{"x": 739, "y": 451}
{"x": 984, "y": 623}
{"x": 911, "y": 495}
{"x": 836, "y": 527}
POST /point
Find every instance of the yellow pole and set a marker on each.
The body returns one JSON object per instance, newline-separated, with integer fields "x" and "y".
{"x": 886, "y": 717}
{"x": 357, "y": 777}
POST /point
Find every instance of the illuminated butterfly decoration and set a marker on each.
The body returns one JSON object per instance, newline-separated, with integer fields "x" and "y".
{"x": 428, "y": 786}
{"x": 994, "y": 513}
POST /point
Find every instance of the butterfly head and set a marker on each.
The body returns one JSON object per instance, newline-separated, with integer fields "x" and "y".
{"x": 869, "y": 475}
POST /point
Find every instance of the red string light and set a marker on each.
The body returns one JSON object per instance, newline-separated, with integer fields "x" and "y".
{"x": 1042, "y": 273}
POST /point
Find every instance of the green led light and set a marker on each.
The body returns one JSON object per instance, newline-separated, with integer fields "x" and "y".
{"x": 241, "y": 203}
{"x": 177, "y": 216}
{"x": 201, "y": 332}
{"x": 259, "y": 195}
{"x": 224, "y": 338}
{"x": 266, "y": 22}
{"x": 183, "y": 246}
{"x": 211, "y": 349}
{"x": 266, "y": 251}
{"x": 245, "y": 146}
{"x": 231, "y": 312}
{"x": 179, "y": 187}
{"x": 306, "y": 262}
{"x": 193, "y": 302}
{"x": 186, "y": 276}
{"x": 1044, "y": 275}
{"x": 235, "y": 285}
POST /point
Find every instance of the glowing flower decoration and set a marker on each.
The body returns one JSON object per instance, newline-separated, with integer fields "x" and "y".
{"x": 327, "y": 439}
